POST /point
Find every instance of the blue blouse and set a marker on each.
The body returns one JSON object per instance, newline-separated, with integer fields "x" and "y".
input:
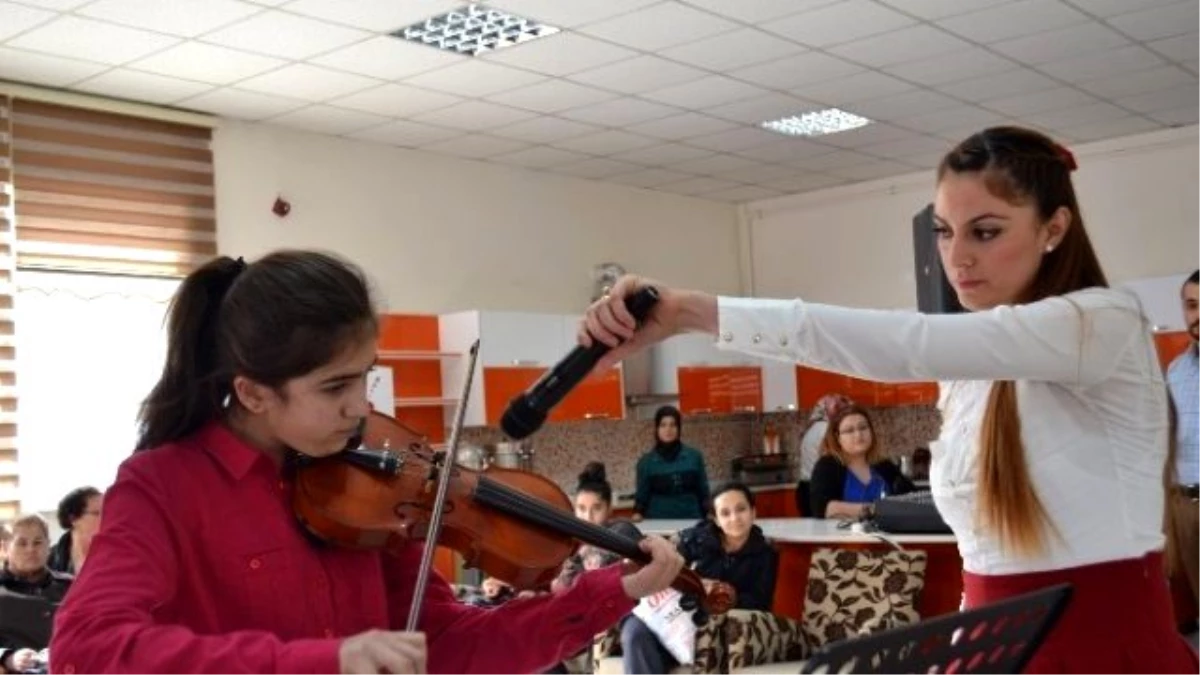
{"x": 855, "y": 492}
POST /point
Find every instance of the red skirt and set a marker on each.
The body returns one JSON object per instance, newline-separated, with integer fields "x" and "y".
{"x": 1118, "y": 620}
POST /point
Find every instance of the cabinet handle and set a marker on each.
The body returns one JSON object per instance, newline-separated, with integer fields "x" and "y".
{"x": 701, "y": 410}
{"x": 747, "y": 408}
{"x": 596, "y": 416}
{"x": 525, "y": 362}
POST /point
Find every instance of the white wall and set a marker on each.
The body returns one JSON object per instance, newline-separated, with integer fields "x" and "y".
{"x": 853, "y": 245}
{"x": 439, "y": 234}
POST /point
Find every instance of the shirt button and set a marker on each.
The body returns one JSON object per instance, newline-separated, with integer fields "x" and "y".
{"x": 757, "y": 338}
{"x": 727, "y": 336}
{"x": 255, "y": 563}
{"x": 783, "y": 341}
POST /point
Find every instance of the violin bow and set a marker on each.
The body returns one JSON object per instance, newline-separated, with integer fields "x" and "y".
{"x": 449, "y": 461}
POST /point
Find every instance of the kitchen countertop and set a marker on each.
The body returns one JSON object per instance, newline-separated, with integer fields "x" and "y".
{"x": 624, "y": 500}
{"x": 805, "y": 531}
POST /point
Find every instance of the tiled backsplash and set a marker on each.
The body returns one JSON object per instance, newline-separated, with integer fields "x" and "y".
{"x": 562, "y": 450}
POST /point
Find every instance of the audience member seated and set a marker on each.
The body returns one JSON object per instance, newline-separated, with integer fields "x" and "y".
{"x": 811, "y": 442}
{"x": 79, "y": 516}
{"x": 29, "y": 593}
{"x": 727, "y": 547}
{"x": 853, "y": 474}
{"x": 5, "y": 542}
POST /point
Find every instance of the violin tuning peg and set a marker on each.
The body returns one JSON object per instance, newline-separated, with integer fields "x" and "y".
{"x": 688, "y": 602}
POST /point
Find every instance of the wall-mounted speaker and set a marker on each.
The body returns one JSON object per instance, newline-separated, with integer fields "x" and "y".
{"x": 935, "y": 295}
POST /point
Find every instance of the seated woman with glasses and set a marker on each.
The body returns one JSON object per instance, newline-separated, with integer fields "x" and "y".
{"x": 852, "y": 474}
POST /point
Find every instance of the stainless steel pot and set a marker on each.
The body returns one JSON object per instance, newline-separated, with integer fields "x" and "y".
{"x": 511, "y": 455}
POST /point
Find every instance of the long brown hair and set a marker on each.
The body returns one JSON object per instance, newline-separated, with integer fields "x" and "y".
{"x": 1023, "y": 166}
{"x": 832, "y": 444}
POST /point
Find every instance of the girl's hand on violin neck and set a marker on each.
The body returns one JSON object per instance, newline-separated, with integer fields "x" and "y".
{"x": 381, "y": 651}
{"x": 677, "y": 311}
{"x": 665, "y": 564}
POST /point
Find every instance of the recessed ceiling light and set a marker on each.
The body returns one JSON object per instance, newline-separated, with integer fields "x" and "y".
{"x": 474, "y": 29}
{"x": 819, "y": 123}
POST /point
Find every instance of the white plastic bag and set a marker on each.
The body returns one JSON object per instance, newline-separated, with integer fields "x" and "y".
{"x": 666, "y": 619}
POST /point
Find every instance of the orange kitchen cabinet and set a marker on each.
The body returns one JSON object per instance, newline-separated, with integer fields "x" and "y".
{"x": 700, "y": 390}
{"x": 745, "y": 388}
{"x": 776, "y": 503}
{"x": 502, "y": 383}
{"x": 408, "y": 345}
{"x": 598, "y": 396}
{"x": 1170, "y": 344}
{"x": 812, "y": 384}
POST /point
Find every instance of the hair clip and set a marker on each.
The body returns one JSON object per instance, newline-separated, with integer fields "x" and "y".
{"x": 1066, "y": 156}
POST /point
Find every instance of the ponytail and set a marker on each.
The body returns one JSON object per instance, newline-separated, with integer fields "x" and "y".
{"x": 191, "y": 389}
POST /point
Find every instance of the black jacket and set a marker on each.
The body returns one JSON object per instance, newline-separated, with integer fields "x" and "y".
{"x": 750, "y": 570}
{"x": 829, "y": 480}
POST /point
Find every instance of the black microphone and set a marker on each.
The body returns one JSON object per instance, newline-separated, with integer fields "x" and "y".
{"x": 527, "y": 412}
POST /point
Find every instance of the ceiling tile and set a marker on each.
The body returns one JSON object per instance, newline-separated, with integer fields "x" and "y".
{"x": 1070, "y": 117}
{"x": 910, "y": 146}
{"x": 1061, "y": 43}
{"x": 381, "y": 16}
{"x": 57, "y": 5}
{"x": 1107, "y": 8}
{"x": 597, "y": 167}
{"x": 639, "y": 74}
{"x": 406, "y": 133}
{"x": 474, "y": 78}
{"x": 648, "y": 178}
{"x": 956, "y": 117}
{"x": 877, "y": 132}
{"x": 207, "y": 63}
{"x": 857, "y": 87}
{"x": 905, "y": 44}
{"x": 973, "y": 62}
{"x": 879, "y": 168}
{"x": 838, "y": 159}
{"x": 806, "y": 182}
{"x": 735, "y": 49}
{"x": 905, "y": 104}
{"x": 1020, "y": 81}
{"x": 755, "y": 11}
{"x": 473, "y": 116}
{"x": 560, "y": 54}
{"x": 797, "y": 71}
{"x": 54, "y": 71}
{"x": 707, "y": 166}
{"x": 285, "y": 35}
{"x": 785, "y": 150}
{"x": 1163, "y": 99}
{"x": 1159, "y": 22}
{"x": 742, "y": 193}
{"x": 544, "y": 130}
{"x": 539, "y": 157}
{"x": 247, "y": 105}
{"x": 395, "y": 100}
{"x": 325, "y": 119}
{"x": 699, "y": 185}
{"x": 757, "y": 173}
{"x": 1041, "y": 101}
{"x": 269, "y": 3}
{"x": 1013, "y": 19}
{"x": 659, "y": 26}
{"x": 620, "y": 112}
{"x": 734, "y": 139}
{"x": 1178, "y": 117}
{"x": 837, "y": 23}
{"x": 1139, "y": 82}
{"x": 704, "y": 93}
{"x": 89, "y": 40}
{"x": 138, "y": 86}
{"x": 1178, "y": 48}
{"x": 606, "y": 142}
{"x": 474, "y": 146}
{"x": 762, "y": 109}
{"x": 940, "y": 9}
{"x": 685, "y": 125}
{"x": 665, "y": 153}
{"x": 551, "y": 96}
{"x": 186, "y": 18}
{"x": 388, "y": 58}
{"x": 310, "y": 83}
{"x": 1124, "y": 126}
{"x": 16, "y": 18}
{"x": 1092, "y": 66}
{"x": 568, "y": 14}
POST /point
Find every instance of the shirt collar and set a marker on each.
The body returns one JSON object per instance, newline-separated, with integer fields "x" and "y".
{"x": 236, "y": 456}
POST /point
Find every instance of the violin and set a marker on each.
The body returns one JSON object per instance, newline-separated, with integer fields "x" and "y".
{"x": 514, "y": 525}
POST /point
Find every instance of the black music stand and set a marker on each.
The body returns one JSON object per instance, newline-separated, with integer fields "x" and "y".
{"x": 998, "y": 638}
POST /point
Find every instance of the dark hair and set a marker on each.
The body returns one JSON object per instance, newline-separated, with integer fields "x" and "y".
{"x": 1193, "y": 279}
{"x": 832, "y": 443}
{"x": 732, "y": 486}
{"x": 72, "y": 506}
{"x": 1019, "y": 165}
{"x": 278, "y": 318}
{"x": 594, "y": 480}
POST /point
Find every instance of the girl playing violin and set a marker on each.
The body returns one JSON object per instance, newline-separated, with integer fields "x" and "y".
{"x": 199, "y": 565}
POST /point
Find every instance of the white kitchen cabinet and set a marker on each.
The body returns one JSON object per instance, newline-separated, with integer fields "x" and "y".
{"x": 779, "y": 385}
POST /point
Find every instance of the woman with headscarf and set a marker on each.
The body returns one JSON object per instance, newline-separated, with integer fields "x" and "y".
{"x": 671, "y": 480}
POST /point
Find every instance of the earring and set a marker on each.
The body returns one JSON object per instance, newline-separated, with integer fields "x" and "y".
{"x": 1049, "y": 248}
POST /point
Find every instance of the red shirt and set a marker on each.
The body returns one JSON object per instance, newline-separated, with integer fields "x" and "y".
{"x": 200, "y": 566}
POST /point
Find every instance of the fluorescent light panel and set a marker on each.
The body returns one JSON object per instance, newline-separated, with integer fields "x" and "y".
{"x": 474, "y": 30}
{"x": 819, "y": 123}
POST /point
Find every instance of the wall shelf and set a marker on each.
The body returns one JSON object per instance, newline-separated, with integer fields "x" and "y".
{"x": 415, "y": 355}
{"x": 425, "y": 402}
